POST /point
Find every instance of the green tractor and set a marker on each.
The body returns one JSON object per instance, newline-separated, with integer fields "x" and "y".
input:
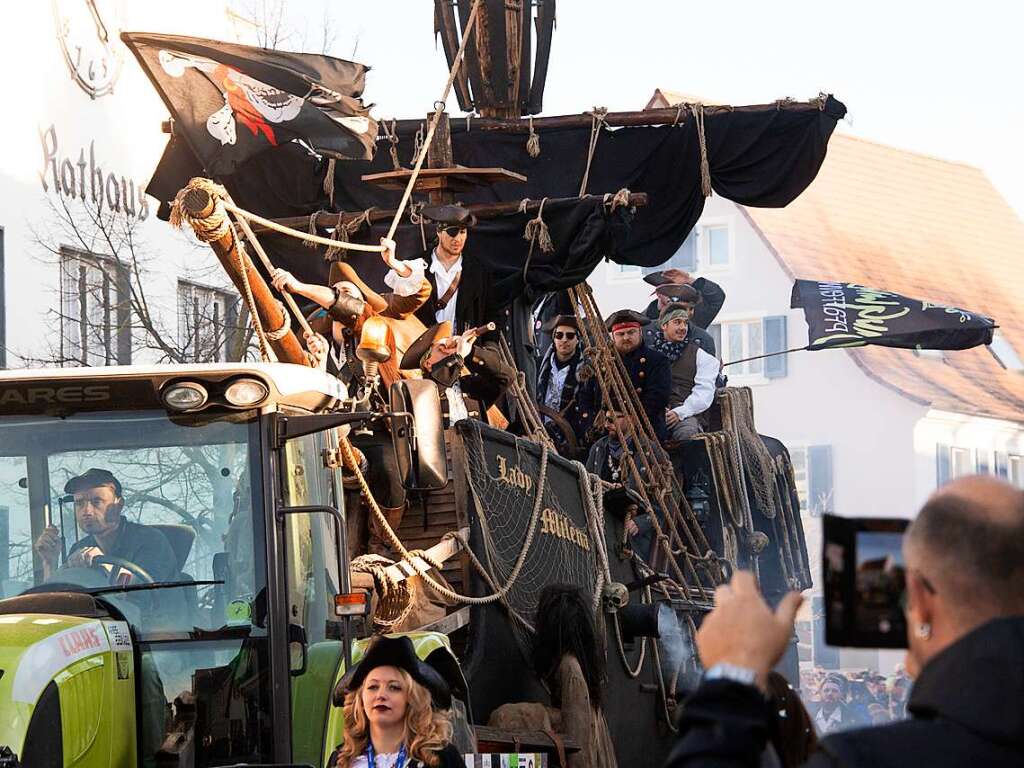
{"x": 230, "y": 653}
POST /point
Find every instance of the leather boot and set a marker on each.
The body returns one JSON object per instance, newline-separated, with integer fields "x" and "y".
{"x": 379, "y": 542}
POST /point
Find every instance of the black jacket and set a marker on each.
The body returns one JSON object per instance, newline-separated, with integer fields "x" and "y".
{"x": 650, "y": 373}
{"x": 474, "y": 304}
{"x": 967, "y": 709}
{"x": 712, "y": 299}
{"x": 578, "y": 402}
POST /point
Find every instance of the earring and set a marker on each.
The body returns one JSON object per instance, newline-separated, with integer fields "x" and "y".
{"x": 924, "y": 630}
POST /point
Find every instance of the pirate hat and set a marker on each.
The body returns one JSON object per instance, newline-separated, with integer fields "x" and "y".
{"x": 397, "y": 652}
{"x": 341, "y": 270}
{"x": 557, "y": 320}
{"x": 678, "y": 292}
{"x": 448, "y": 216}
{"x": 420, "y": 347}
{"x": 656, "y": 278}
{"x": 624, "y": 316}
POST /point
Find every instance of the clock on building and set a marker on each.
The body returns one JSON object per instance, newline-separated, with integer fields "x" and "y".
{"x": 88, "y": 34}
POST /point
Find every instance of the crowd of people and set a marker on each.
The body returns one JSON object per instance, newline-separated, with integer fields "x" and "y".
{"x": 440, "y": 322}
{"x": 839, "y": 701}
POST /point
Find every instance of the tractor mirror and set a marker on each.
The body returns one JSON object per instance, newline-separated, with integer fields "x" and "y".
{"x": 417, "y": 430}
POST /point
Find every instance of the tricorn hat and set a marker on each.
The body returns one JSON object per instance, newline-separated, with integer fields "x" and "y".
{"x": 448, "y": 215}
{"x": 93, "y": 478}
{"x": 624, "y": 316}
{"x": 656, "y": 278}
{"x": 678, "y": 292}
{"x": 557, "y": 320}
{"x": 420, "y": 347}
{"x": 399, "y": 652}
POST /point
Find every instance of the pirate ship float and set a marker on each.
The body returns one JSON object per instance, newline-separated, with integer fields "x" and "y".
{"x": 553, "y": 196}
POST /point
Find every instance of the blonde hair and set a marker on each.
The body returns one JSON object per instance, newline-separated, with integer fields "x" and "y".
{"x": 427, "y": 730}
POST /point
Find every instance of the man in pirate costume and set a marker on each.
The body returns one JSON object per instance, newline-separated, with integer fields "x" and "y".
{"x": 605, "y": 460}
{"x": 649, "y": 370}
{"x": 461, "y": 285}
{"x": 565, "y": 385}
{"x": 686, "y": 297}
{"x": 694, "y": 372}
{"x": 469, "y": 378}
{"x": 345, "y": 306}
{"x": 711, "y": 297}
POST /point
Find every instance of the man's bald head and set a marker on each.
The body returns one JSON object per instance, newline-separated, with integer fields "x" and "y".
{"x": 969, "y": 539}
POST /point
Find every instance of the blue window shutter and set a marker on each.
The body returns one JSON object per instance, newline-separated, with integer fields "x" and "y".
{"x": 775, "y": 341}
{"x": 819, "y": 479}
{"x": 981, "y": 461}
{"x": 1002, "y": 464}
{"x": 941, "y": 464}
{"x": 715, "y": 329}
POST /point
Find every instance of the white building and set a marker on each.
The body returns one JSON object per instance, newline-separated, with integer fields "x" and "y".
{"x": 872, "y": 431}
{"x": 81, "y": 134}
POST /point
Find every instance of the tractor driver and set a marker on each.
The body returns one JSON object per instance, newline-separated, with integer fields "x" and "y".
{"x": 98, "y": 511}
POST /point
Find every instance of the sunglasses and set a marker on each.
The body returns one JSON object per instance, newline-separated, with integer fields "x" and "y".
{"x": 570, "y": 335}
{"x": 453, "y": 231}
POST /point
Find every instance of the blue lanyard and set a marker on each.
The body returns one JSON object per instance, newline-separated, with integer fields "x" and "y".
{"x": 371, "y": 756}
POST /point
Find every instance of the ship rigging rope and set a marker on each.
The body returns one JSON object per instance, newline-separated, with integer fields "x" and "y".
{"x": 439, "y": 106}
{"x": 597, "y": 121}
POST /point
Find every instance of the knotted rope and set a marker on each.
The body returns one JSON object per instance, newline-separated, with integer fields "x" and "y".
{"x": 697, "y": 110}
{"x": 311, "y": 229}
{"x": 536, "y": 230}
{"x": 207, "y": 228}
{"x": 597, "y": 119}
{"x": 618, "y": 200}
{"x": 392, "y": 136}
{"x": 343, "y": 230}
{"x": 329, "y": 180}
{"x": 533, "y": 142}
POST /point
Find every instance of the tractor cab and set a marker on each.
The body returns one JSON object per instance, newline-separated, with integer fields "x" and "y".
{"x": 214, "y": 625}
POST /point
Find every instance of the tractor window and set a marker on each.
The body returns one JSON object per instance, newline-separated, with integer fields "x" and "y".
{"x": 310, "y": 539}
{"x": 15, "y": 527}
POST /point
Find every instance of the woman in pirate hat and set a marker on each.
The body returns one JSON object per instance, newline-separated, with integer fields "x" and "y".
{"x": 396, "y": 712}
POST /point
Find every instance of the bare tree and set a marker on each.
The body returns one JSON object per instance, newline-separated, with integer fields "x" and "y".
{"x": 104, "y": 310}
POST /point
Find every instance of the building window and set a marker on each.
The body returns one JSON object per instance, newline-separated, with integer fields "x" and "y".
{"x": 618, "y": 272}
{"x": 685, "y": 258}
{"x": 95, "y": 310}
{"x": 207, "y": 322}
{"x": 738, "y": 341}
{"x": 812, "y": 468}
{"x": 960, "y": 462}
{"x": 1004, "y": 352}
{"x": 1016, "y": 470}
{"x": 715, "y": 246}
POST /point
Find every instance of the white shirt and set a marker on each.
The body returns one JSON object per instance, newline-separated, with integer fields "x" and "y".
{"x": 556, "y": 383}
{"x": 407, "y": 286}
{"x": 443, "y": 277}
{"x": 830, "y": 723}
{"x": 457, "y": 410}
{"x": 703, "y": 393}
{"x": 383, "y": 760}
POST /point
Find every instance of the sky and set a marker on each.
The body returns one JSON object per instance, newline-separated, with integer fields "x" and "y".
{"x": 940, "y": 78}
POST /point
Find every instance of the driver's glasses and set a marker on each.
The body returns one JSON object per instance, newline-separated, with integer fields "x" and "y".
{"x": 570, "y": 335}
{"x": 453, "y": 231}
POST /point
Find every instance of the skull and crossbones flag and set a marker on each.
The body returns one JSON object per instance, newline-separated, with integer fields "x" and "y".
{"x": 231, "y": 102}
{"x": 851, "y": 315}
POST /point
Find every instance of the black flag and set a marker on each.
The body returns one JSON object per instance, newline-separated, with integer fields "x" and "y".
{"x": 231, "y": 102}
{"x": 850, "y": 315}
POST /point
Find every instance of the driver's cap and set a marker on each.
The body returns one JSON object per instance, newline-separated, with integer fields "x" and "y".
{"x": 93, "y": 478}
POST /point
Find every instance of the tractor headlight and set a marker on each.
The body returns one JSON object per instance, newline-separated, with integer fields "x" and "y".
{"x": 246, "y": 393}
{"x": 185, "y": 396}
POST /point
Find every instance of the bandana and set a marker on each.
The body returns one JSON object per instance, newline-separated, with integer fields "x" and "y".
{"x": 672, "y": 311}
{"x": 624, "y": 326}
{"x": 671, "y": 349}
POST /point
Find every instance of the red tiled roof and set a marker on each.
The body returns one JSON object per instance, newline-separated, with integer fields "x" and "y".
{"x": 920, "y": 226}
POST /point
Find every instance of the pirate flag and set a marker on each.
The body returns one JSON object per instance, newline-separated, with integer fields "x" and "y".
{"x": 850, "y": 315}
{"x": 231, "y": 102}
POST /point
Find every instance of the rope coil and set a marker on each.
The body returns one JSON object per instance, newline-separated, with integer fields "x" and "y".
{"x": 536, "y": 230}
{"x": 286, "y": 326}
